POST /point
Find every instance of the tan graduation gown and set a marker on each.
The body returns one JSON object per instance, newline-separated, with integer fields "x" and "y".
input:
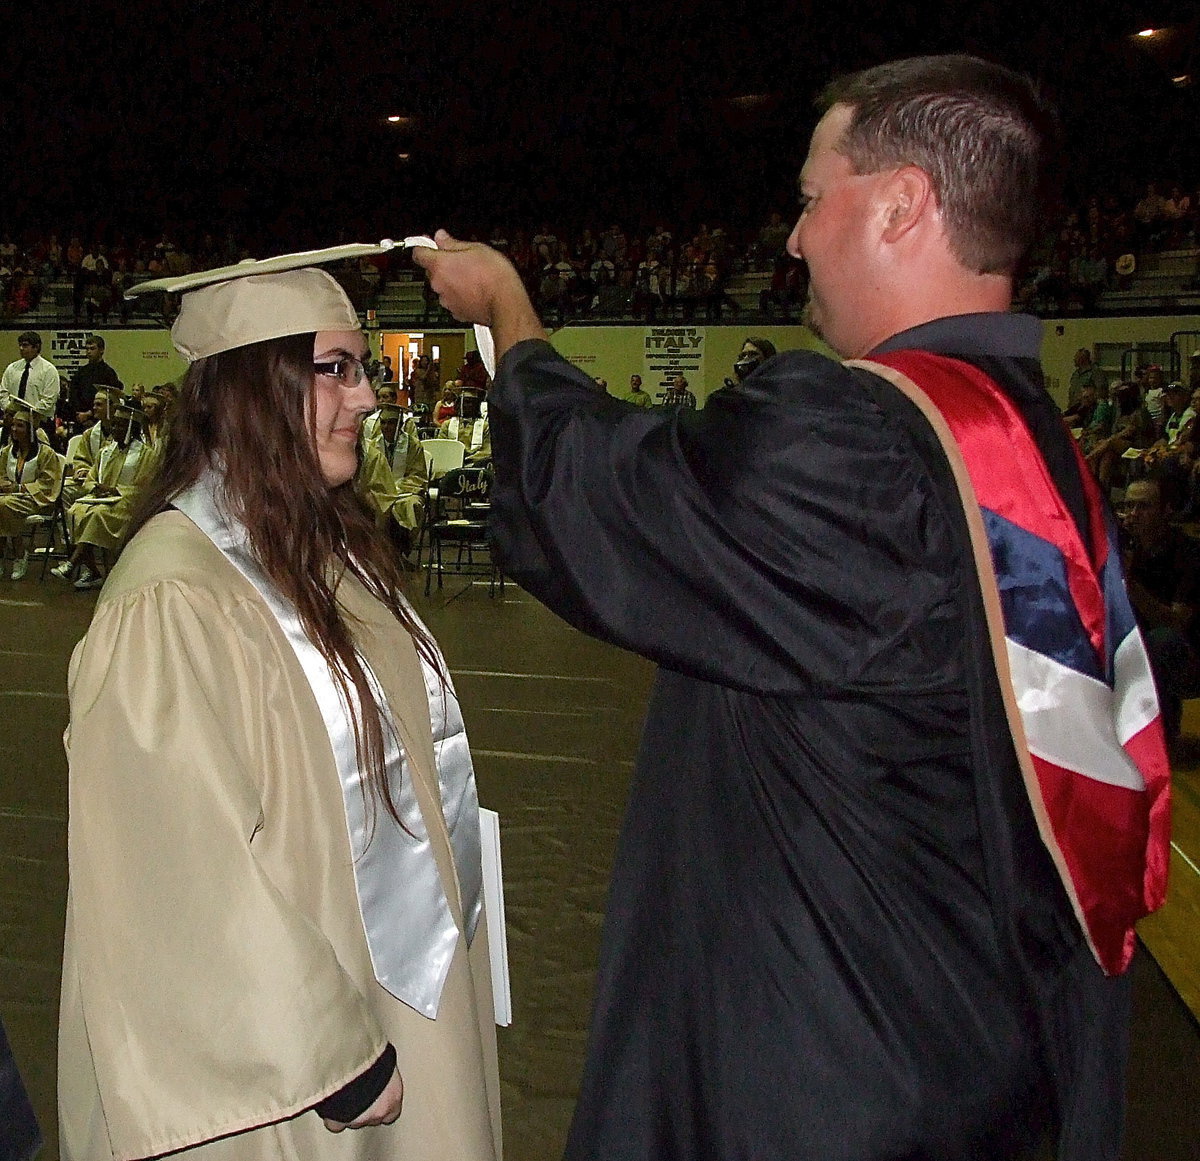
{"x": 395, "y": 488}
{"x": 88, "y": 448}
{"x": 216, "y": 980}
{"x": 86, "y": 452}
{"x": 464, "y": 432}
{"x": 102, "y": 520}
{"x": 40, "y": 484}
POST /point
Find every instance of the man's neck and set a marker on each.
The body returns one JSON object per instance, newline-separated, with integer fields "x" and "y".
{"x": 940, "y": 289}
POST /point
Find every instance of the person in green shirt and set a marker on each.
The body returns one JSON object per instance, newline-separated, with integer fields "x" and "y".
{"x": 636, "y": 394}
{"x": 1086, "y": 373}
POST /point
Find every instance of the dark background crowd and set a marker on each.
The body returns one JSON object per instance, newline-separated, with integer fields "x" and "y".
{"x": 640, "y": 272}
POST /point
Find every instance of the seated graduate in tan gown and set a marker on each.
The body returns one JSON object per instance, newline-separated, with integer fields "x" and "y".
{"x": 87, "y": 450}
{"x": 472, "y": 430}
{"x": 393, "y": 473}
{"x": 385, "y": 394}
{"x": 275, "y": 945}
{"x": 30, "y": 473}
{"x": 154, "y": 423}
{"x": 99, "y": 517}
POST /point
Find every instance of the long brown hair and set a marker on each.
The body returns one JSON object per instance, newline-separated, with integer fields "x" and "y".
{"x": 248, "y": 414}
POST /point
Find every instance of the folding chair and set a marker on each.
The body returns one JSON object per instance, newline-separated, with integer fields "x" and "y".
{"x": 53, "y": 521}
{"x": 442, "y": 456}
{"x": 462, "y": 520}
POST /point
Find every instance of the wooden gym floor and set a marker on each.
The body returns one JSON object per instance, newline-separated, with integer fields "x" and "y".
{"x": 554, "y": 719}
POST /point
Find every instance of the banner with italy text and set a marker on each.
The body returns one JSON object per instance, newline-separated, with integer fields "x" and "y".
{"x": 669, "y": 351}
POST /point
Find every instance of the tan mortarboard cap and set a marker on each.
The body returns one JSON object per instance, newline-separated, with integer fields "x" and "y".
{"x": 19, "y": 409}
{"x": 241, "y": 311}
{"x": 218, "y": 313}
{"x": 233, "y": 306}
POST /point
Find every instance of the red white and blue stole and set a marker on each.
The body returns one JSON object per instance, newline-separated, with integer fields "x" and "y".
{"x": 1073, "y": 667}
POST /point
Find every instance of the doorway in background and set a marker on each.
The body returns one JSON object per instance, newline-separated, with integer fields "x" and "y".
{"x": 405, "y": 347}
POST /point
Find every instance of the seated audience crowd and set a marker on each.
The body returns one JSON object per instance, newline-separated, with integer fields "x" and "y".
{"x": 90, "y": 444}
{"x": 655, "y": 272}
{"x": 85, "y": 444}
{"x": 1099, "y": 244}
{"x": 1142, "y": 441}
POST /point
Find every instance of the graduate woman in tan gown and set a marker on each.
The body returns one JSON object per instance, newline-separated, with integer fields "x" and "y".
{"x": 275, "y": 946}
{"x": 30, "y": 476}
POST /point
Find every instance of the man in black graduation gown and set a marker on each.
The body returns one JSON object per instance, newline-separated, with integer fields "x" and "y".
{"x": 20, "y": 1137}
{"x": 833, "y": 932}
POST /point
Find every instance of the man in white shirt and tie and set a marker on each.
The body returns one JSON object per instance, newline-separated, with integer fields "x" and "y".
{"x": 31, "y": 378}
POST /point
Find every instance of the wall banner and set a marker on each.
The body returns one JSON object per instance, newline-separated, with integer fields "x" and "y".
{"x": 671, "y": 351}
{"x": 66, "y": 351}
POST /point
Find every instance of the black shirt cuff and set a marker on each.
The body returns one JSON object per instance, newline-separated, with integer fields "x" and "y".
{"x": 353, "y": 1099}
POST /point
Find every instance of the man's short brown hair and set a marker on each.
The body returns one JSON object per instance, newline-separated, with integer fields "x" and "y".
{"x": 983, "y": 134}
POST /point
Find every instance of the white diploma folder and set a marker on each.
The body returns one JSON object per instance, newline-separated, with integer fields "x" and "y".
{"x": 493, "y": 902}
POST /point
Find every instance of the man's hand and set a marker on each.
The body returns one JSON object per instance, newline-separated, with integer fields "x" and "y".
{"x": 383, "y": 1111}
{"x": 477, "y": 284}
{"x": 468, "y": 277}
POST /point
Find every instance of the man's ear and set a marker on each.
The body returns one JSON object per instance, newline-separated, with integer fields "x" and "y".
{"x": 908, "y": 199}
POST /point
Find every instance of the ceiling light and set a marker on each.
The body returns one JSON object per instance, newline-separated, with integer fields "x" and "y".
{"x": 750, "y": 101}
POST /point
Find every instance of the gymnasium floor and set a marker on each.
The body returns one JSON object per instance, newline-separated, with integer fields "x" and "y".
{"x": 554, "y": 718}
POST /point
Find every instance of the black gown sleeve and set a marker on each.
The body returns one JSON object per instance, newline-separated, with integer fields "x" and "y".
{"x": 781, "y": 540}
{"x": 20, "y": 1137}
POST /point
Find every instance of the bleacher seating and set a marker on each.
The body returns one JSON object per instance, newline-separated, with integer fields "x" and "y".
{"x": 1166, "y": 281}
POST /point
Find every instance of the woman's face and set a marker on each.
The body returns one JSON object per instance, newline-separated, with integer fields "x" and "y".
{"x": 339, "y": 403}
{"x": 20, "y": 432}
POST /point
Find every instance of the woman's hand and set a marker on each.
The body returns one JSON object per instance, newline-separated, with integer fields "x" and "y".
{"x": 383, "y": 1111}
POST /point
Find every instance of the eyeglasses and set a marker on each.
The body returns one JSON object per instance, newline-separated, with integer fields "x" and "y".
{"x": 350, "y": 372}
